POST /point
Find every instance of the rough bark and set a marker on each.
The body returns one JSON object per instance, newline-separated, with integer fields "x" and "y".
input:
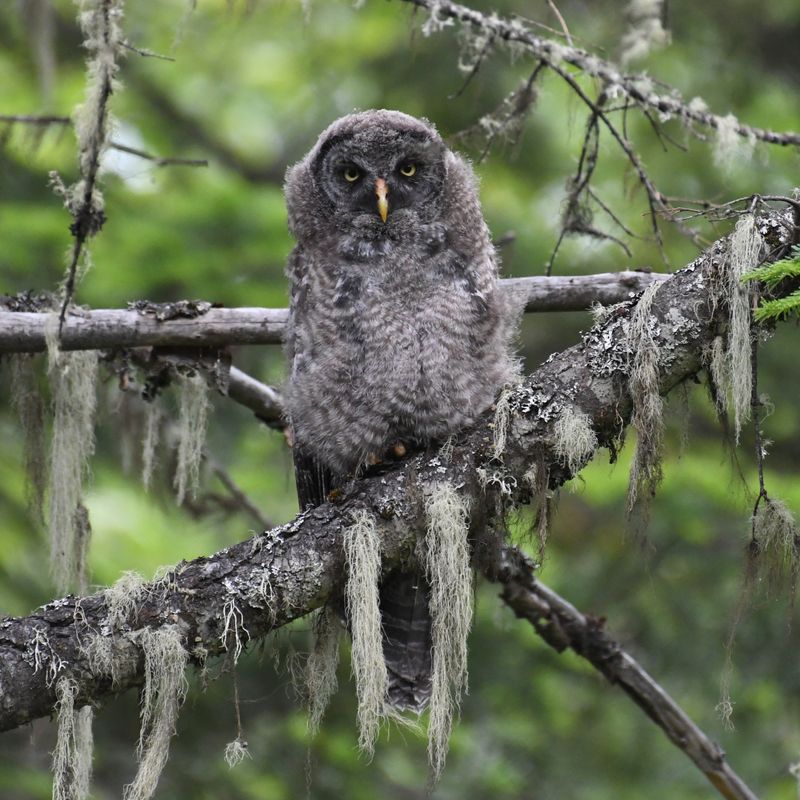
{"x": 199, "y": 324}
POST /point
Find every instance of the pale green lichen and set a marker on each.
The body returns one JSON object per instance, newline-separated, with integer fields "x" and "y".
{"x": 152, "y": 431}
{"x": 574, "y": 439}
{"x": 28, "y": 401}
{"x": 362, "y": 548}
{"x": 446, "y": 559}
{"x": 73, "y": 377}
{"x": 192, "y": 424}
{"x": 647, "y": 419}
{"x": 321, "y": 666}
{"x": 72, "y": 756}
{"x": 164, "y": 691}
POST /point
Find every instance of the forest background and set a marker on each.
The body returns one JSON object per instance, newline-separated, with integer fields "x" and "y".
{"x": 250, "y": 87}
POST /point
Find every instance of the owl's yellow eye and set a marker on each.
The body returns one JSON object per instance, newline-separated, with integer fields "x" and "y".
{"x": 351, "y": 174}
{"x": 408, "y": 169}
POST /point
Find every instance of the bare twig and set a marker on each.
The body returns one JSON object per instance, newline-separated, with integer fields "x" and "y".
{"x": 264, "y": 401}
{"x": 561, "y": 21}
{"x": 240, "y": 498}
{"x": 144, "y": 52}
{"x": 562, "y": 626}
{"x": 34, "y": 119}
{"x": 159, "y": 161}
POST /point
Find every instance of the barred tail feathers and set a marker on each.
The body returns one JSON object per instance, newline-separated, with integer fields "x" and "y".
{"x": 407, "y": 639}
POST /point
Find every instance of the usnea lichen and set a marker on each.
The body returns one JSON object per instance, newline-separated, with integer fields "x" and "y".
{"x": 778, "y": 540}
{"x": 123, "y": 599}
{"x": 164, "y": 691}
{"x": 729, "y": 362}
{"x": 645, "y": 30}
{"x": 233, "y": 629}
{"x": 321, "y": 666}
{"x": 192, "y": 424}
{"x": 446, "y": 558}
{"x": 73, "y": 377}
{"x": 152, "y": 431}
{"x": 29, "y": 403}
{"x": 72, "y": 756}
{"x": 643, "y": 383}
{"x": 236, "y": 752}
{"x": 502, "y": 417}
{"x": 730, "y": 146}
{"x": 362, "y": 550}
{"x": 574, "y": 439}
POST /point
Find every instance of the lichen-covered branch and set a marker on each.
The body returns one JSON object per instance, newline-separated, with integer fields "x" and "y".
{"x": 638, "y": 88}
{"x": 100, "y": 23}
{"x": 22, "y": 330}
{"x": 280, "y": 575}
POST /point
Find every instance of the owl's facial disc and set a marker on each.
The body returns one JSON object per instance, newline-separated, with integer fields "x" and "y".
{"x": 369, "y": 177}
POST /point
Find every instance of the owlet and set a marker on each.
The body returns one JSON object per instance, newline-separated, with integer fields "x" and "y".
{"x": 398, "y": 333}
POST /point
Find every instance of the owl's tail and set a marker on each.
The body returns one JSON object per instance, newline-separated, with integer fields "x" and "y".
{"x": 407, "y": 638}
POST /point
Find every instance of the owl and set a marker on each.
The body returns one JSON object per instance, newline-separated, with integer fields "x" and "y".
{"x": 398, "y": 334}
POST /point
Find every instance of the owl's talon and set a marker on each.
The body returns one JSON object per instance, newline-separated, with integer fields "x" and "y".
{"x": 334, "y": 495}
{"x": 399, "y": 450}
{"x": 373, "y": 459}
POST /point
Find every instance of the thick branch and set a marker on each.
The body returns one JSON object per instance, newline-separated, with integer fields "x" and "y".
{"x": 561, "y": 625}
{"x": 101, "y": 329}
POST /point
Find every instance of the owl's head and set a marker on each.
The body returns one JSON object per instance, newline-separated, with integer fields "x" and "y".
{"x": 372, "y": 172}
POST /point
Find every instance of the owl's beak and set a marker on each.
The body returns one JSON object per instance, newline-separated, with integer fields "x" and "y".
{"x": 381, "y": 190}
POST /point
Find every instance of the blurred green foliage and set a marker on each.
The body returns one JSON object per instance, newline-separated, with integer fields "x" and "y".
{"x": 251, "y": 86}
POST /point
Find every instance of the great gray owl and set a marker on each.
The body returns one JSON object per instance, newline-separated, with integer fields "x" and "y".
{"x": 398, "y": 334}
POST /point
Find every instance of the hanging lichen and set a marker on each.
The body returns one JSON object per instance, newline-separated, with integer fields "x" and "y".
{"x": 645, "y": 30}
{"x": 163, "y": 693}
{"x": 28, "y": 401}
{"x": 123, "y": 599}
{"x": 362, "y": 550}
{"x": 647, "y": 419}
{"x": 72, "y": 756}
{"x": 574, "y": 439}
{"x": 446, "y": 558}
{"x": 152, "y": 431}
{"x": 192, "y": 424}
{"x": 321, "y": 666}
{"x": 73, "y": 377}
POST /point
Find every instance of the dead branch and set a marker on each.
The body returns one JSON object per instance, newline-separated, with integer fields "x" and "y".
{"x": 562, "y": 626}
{"x": 23, "y": 331}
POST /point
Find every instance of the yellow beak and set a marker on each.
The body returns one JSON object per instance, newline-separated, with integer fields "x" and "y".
{"x": 381, "y": 190}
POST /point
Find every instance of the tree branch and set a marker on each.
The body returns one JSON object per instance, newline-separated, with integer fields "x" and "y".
{"x": 562, "y": 626}
{"x": 23, "y": 331}
{"x": 289, "y": 571}
{"x": 638, "y": 88}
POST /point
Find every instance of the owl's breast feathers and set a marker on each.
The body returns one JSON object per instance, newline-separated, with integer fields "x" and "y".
{"x": 404, "y": 346}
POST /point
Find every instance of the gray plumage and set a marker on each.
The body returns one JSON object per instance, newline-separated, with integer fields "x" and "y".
{"x": 397, "y": 329}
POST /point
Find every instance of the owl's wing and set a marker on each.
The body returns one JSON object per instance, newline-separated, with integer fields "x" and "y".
{"x": 313, "y": 480}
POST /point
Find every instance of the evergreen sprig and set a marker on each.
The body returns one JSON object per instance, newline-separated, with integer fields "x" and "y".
{"x": 771, "y": 275}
